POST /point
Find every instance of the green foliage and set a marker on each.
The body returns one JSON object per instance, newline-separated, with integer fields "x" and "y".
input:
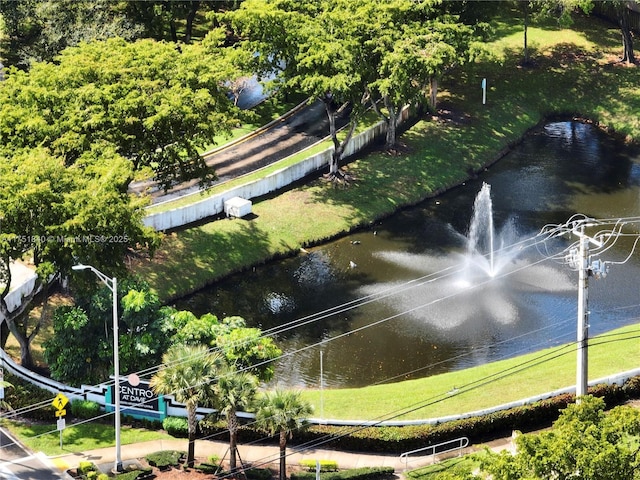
{"x": 325, "y": 465}
{"x": 165, "y": 458}
{"x": 40, "y": 30}
{"x": 84, "y": 408}
{"x": 584, "y": 439}
{"x": 145, "y": 101}
{"x": 209, "y": 468}
{"x": 85, "y": 466}
{"x": 24, "y": 394}
{"x": 188, "y": 373}
{"x": 136, "y": 474}
{"x": 79, "y": 352}
{"x": 366, "y": 473}
{"x": 176, "y": 426}
{"x": 243, "y": 347}
{"x": 478, "y": 429}
{"x": 258, "y": 474}
{"x": 282, "y": 410}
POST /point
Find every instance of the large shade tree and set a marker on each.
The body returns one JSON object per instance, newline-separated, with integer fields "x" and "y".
{"x": 282, "y": 412}
{"x": 347, "y": 53}
{"x": 188, "y": 373}
{"x": 37, "y": 30}
{"x": 153, "y": 104}
{"x": 55, "y": 215}
{"x": 411, "y": 60}
{"x": 310, "y": 48}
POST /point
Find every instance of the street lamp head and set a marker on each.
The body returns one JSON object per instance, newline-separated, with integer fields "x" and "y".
{"x": 80, "y": 267}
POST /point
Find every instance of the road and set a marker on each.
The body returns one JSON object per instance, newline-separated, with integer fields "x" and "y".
{"x": 290, "y": 134}
{"x": 16, "y": 463}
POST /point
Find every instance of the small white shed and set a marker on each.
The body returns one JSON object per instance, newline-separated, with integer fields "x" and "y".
{"x": 237, "y": 207}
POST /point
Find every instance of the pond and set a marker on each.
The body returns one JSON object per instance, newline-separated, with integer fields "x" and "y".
{"x": 392, "y": 302}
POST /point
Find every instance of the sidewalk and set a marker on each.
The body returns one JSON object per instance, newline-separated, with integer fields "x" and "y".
{"x": 262, "y": 455}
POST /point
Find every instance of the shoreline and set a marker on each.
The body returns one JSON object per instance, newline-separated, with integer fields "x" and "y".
{"x": 439, "y": 153}
{"x": 365, "y": 224}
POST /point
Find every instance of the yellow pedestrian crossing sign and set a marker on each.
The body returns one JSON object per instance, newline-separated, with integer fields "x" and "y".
{"x": 60, "y": 401}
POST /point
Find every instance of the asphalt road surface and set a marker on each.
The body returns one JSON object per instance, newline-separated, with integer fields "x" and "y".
{"x": 289, "y": 135}
{"x": 16, "y": 463}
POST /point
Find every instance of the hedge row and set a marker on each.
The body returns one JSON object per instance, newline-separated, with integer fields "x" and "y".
{"x": 365, "y": 473}
{"x": 396, "y": 440}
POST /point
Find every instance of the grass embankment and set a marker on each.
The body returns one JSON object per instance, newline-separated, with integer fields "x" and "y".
{"x": 574, "y": 75}
{"x": 485, "y": 386}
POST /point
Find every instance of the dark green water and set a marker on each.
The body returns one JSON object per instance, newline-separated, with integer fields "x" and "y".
{"x": 562, "y": 169}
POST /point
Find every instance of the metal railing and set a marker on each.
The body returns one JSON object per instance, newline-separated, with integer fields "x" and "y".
{"x": 459, "y": 443}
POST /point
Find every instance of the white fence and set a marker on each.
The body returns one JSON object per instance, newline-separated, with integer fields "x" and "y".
{"x": 214, "y": 204}
{"x": 98, "y": 394}
{"x": 23, "y": 283}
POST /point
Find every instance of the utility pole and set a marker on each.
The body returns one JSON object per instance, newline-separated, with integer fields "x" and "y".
{"x": 580, "y": 259}
{"x": 583, "y": 318}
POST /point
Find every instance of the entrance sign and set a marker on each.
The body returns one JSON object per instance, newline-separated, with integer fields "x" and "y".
{"x": 138, "y": 395}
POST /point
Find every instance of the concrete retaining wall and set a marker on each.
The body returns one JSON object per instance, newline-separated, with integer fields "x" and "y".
{"x": 214, "y": 205}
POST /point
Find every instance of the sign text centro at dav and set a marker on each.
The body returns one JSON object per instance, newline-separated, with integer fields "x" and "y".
{"x": 139, "y": 396}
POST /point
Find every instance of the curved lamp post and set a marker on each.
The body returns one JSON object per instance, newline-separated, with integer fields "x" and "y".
{"x": 112, "y": 284}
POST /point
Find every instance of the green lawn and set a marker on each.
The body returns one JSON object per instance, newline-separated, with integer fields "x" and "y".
{"x": 77, "y": 438}
{"x": 481, "y": 387}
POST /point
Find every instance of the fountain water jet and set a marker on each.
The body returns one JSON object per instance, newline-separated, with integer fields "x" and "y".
{"x": 496, "y": 280}
{"x": 481, "y": 252}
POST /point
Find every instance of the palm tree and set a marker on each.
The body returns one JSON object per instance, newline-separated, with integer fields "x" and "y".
{"x": 282, "y": 412}
{"x": 235, "y": 391}
{"x": 188, "y": 373}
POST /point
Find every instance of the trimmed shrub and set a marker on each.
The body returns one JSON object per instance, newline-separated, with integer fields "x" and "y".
{"x": 24, "y": 394}
{"x": 259, "y": 474}
{"x": 136, "y": 474}
{"x": 85, "y": 467}
{"x": 368, "y": 473}
{"x": 85, "y": 408}
{"x": 325, "y": 465}
{"x": 208, "y": 468}
{"x": 165, "y": 458}
{"x": 176, "y": 426}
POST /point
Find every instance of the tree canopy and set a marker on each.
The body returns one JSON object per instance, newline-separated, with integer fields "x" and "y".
{"x": 189, "y": 373}
{"x": 585, "y": 442}
{"x": 150, "y": 103}
{"x": 80, "y": 350}
{"x": 347, "y": 53}
{"x": 53, "y": 215}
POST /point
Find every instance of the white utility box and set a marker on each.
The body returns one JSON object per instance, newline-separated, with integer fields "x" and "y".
{"x": 237, "y": 207}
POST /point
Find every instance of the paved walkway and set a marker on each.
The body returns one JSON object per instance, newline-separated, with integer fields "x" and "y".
{"x": 259, "y": 454}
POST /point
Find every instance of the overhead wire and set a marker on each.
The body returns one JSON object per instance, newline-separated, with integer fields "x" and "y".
{"x": 548, "y": 233}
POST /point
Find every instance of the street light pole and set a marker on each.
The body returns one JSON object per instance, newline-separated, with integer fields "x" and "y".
{"x": 112, "y": 284}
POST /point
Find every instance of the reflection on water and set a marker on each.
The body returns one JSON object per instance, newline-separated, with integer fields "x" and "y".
{"x": 441, "y": 320}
